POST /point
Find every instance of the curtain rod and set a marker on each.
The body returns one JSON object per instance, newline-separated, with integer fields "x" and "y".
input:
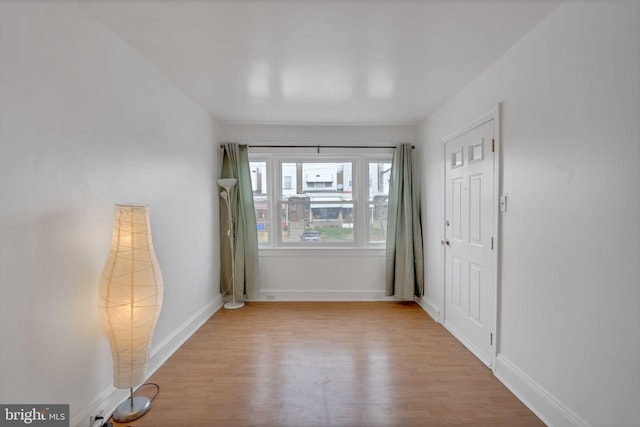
{"x": 321, "y": 146}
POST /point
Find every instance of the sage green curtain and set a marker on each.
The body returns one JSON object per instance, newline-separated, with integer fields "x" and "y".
{"x": 235, "y": 164}
{"x": 405, "y": 262}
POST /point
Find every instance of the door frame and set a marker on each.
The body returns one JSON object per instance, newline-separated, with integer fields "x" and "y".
{"x": 493, "y": 114}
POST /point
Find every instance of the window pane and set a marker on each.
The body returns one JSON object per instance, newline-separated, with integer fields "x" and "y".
{"x": 379, "y": 173}
{"x": 317, "y": 203}
{"x": 260, "y": 199}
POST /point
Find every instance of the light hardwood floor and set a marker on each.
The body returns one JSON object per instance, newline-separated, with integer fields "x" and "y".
{"x": 346, "y": 364}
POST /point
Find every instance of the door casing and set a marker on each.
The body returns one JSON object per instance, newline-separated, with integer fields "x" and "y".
{"x": 493, "y": 114}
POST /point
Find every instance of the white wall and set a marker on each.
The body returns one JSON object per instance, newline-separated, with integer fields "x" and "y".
{"x": 312, "y": 274}
{"x": 86, "y": 122}
{"x": 569, "y": 290}
{"x": 318, "y": 134}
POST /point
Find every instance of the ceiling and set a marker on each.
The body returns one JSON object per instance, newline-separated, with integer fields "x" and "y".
{"x": 312, "y": 61}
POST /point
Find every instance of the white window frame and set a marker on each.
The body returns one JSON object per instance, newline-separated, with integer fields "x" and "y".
{"x": 360, "y": 159}
{"x": 267, "y": 172}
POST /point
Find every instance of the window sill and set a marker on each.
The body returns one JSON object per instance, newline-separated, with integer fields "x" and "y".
{"x": 325, "y": 251}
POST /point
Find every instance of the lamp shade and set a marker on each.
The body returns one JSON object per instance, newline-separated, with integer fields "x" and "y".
{"x": 130, "y": 294}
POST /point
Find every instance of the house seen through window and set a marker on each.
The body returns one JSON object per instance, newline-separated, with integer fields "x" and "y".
{"x": 321, "y": 202}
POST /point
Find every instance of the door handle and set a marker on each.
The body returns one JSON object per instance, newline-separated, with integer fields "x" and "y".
{"x": 445, "y": 242}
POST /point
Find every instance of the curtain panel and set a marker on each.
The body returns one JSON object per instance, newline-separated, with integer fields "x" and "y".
{"x": 404, "y": 257}
{"x": 235, "y": 164}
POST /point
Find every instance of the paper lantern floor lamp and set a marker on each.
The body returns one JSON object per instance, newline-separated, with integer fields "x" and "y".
{"x": 227, "y": 184}
{"x": 130, "y": 296}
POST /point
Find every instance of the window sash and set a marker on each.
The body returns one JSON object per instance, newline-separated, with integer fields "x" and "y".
{"x": 358, "y": 206}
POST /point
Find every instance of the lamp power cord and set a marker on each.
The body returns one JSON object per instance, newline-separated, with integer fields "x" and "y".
{"x": 108, "y": 423}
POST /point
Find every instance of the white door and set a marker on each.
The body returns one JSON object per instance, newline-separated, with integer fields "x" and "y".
{"x": 470, "y": 283}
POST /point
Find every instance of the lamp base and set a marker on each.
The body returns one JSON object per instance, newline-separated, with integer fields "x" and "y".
{"x": 132, "y": 410}
{"x": 233, "y": 305}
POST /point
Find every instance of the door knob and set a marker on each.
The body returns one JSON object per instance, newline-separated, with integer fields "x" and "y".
{"x": 445, "y": 242}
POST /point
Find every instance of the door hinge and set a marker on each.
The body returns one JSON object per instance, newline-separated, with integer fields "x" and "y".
{"x": 492, "y": 243}
{"x": 491, "y": 338}
{"x": 493, "y": 145}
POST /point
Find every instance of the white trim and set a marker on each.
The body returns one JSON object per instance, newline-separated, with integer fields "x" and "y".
{"x": 470, "y": 346}
{"x": 497, "y": 187}
{"x": 109, "y": 398}
{"x": 551, "y": 410}
{"x": 493, "y": 114}
{"x": 107, "y": 401}
{"x": 321, "y": 252}
{"x": 274, "y": 158}
{"x": 487, "y": 117}
{"x": 161, "y": 352}
{"x": 322, "y": 295}
{"x": 430, "y": 308}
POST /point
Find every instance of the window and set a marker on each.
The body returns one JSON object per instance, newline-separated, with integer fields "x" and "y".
{"x": 379, "y": 173}
{"x": 321, "y": 200}
{"x": 286, "y": 182}
{"x": 260, "y": 200}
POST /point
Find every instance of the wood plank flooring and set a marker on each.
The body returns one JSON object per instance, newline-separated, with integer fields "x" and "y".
{"x": 343, "y": 364}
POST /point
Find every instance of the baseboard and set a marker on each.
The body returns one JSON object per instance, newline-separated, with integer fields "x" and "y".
{"x": 323, "y": 295}
{"x": 107, "y": 401}
{"x": 468, "y": 344}
{"x": 547, "y": 407}
{"x": 430, "y": 308}
{"x": 104, "y": 404}
{"x": 540, "y": 401}
{"x": 162, "y": 351}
